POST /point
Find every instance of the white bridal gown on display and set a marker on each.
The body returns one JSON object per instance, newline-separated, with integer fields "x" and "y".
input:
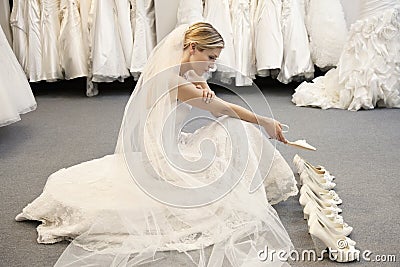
{"x": 368, "y": 73}
{"x": 50, "y": 30}
{"x": 144, "y": 34}
{"x": 73, "y": 51}
{"x": 108, "y": 54}
{"x": 217, "y": 13}
{"x": 327, "y": 31}
{"x": 268, "y": 39}
{"x": 15, "y": 93}
{"x": 19, "y": 27}
{"x": 241, "y": 14}
{"x": 5, "y": 20}
{"x": 296, "y": 51}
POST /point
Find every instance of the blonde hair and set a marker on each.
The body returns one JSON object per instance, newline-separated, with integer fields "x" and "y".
{"x": 204, "y": 35}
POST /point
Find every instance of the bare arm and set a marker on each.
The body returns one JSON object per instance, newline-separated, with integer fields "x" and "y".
{"x": 187, "y": 92}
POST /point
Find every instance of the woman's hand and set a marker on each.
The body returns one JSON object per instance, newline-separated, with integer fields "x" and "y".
{"x": 273, "y": 129}
{"x": 208, "y": 94}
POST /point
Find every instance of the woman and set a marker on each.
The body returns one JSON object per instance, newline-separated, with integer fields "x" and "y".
{"x": 367, "y": 74}
{"x": 167, "y": 190}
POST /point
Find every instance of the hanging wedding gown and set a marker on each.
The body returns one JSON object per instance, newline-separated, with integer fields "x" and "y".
{"x": 327, "y": 30}
{"x": 189, "y": 12}
{"x": 109, "y": 62}
{"x": 124, "y": 208}
{"x": 368, "y": 73}
{"x": 5, "y": 20}
{"x": 50, "y": 30}
{"x": 73, "y": 52}
{"x": 19, "y": 27}
{"x": 296, "y": 51}
{"x": 217, "y": 13}
{"x": 144, "y": 34}
{"x": 241, "y": 14}
{"x": 35, "y": 64}
{"x": 268, "y": 39}
{"x": 15, "y": 93}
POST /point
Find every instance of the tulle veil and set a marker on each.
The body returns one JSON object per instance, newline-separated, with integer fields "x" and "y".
{"x": 226, "y": 232}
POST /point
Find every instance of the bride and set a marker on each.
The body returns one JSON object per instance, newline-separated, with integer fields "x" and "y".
{"x": 167, "y": 190}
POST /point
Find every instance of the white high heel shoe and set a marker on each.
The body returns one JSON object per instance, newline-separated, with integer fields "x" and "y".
{"x": 300, "y": 165}
{"x": 325, "y": 194}
{"x": 329, "y": 212}
{"x": 334, "y": 199}
{"x": 317, "y": 179}
{"x": 336, "y": 228}
{"x": 339, "y": 246}
{"x": 310, "y": 196}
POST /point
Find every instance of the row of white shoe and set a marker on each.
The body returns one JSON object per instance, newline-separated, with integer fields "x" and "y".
{"x": 319, "y": 201}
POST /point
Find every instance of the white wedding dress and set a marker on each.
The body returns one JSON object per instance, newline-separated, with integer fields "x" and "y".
{"x": 75, "y": 198}
{"x": 268, "y": 38}
{"x": 217, "y": 13}
{"x": 297, "y": 61}
{"x": 242, "y": 16}
{"x": 368, "y": 73}
{"x": 144, "y": 34}
{"x": 20, "y": 28}
{"x": 109, "y": 210}
{"x": 327, "y": 31}
{"x": 50, "y": 30}
{"x": 5, "y": 20}
{"x": 73, "y": 52}
{"x": 15, "y": 93}
{"x": 108, "y": 54}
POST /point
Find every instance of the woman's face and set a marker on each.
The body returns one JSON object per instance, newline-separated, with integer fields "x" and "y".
{"x": 203, "y": 61}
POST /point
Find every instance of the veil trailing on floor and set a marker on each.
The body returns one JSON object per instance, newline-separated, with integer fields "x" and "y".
{"x": 173, "y": 201}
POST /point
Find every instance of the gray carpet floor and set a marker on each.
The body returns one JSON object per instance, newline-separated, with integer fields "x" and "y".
{"x": 360, "y": 148}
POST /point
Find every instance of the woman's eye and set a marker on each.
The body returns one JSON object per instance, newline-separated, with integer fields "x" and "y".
{"x": 212, "y": 58}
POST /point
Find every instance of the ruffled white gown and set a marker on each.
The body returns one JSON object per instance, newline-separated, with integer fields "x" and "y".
{"x": 368, "y": 73}
{"x": 327, "y": 31}
{"x": 98, "y": 195}
{"x": 15, "y": 93}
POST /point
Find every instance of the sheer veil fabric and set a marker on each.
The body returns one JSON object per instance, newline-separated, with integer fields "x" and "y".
{"x": 167, "y": 197}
